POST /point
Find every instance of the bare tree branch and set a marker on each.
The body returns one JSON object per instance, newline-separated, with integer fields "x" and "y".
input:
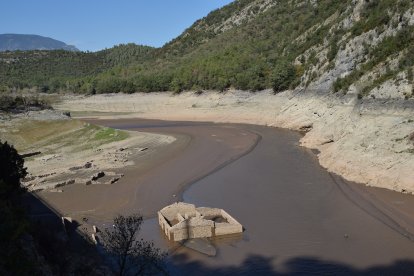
{"x": 132, "y": 256}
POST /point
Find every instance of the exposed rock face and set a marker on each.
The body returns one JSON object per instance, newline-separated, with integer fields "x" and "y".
{"x": 243, "y": 12}
{"x": 354, "y": 52}
{"x": 358, "y": 139}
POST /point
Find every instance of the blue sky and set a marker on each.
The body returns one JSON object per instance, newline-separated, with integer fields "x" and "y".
{"x": 97, "y": 24}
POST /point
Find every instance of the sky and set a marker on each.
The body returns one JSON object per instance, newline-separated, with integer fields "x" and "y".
{"x": 93, "y": 25}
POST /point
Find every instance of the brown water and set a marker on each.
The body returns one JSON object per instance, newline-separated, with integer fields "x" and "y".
{"x": 298, "y": 218}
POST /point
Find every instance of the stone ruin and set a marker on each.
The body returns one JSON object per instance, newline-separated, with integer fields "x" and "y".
{"x": 182, "y": 221}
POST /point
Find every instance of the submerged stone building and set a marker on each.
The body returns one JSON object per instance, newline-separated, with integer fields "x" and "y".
{"x": 181, "y": 221}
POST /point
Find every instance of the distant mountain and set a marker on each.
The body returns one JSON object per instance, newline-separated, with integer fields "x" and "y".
{"x": 13, "y": 42}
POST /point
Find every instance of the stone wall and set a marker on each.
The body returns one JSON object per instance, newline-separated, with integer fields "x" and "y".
{"x": 182, "y": 221}
{"x": 232, "y": 227}
{"x": 192, "y": 229}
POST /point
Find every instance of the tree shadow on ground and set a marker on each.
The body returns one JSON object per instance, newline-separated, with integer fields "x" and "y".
{"x": 259, "y": 265}
{"x": 62, "y": 248}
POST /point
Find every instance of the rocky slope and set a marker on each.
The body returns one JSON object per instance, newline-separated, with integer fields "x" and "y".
{"x": 371, "y": 56}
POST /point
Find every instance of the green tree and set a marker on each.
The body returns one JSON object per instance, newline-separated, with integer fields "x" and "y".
{"x": 284, "y": 75}
{"x": 13, "y": 224}
{"x": 4, "y": 88}
{"x": 177, "y": 85}
{"x": 12, "y": 170}
{"x": 333, "y": 49}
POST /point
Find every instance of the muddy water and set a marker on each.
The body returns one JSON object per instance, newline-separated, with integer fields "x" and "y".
{"x": 299, "y": 219}
{"x": 293, "y": 209}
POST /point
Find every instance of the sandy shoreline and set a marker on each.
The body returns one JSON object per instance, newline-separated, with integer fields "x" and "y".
{"x": 363, "y": 142}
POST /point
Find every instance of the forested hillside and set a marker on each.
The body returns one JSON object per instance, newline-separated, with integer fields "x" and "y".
{"x": 51, "y": 71}
{"x": 331, "y": 45}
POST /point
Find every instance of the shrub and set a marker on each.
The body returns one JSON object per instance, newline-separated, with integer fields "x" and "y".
{"x": 283, "y": 76}
{"x": 12, "y": 219}
{"x": 6, "y": 103}
{"x": 333, "y": 49}
{"x": 9, "y": 103}
{"x": 410, "y": 75}
{"x": 12, "y": 170}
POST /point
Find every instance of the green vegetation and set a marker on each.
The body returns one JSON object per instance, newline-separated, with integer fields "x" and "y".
{"x": 77, "y": 136}
{"x": 52, "y": 71}
{"x": 57, "y": 136}
{"x": 203, "y": 57}
{"x": 13, "y": 223}
{"x": 18, "y": 103}
{"x": 125, "y": 54}
{"x": 376, "y": 14}
{"x": 258, "y": 52}
{"x": 283, "y": 76}
{"x": 49, "y": 71}
{"x": 333, "y": 47}
{"x": 391, "y": 46}
{"x": 107, "y": 135}
{"x": 247, "y": 56}
{"x": 12, "y": 170}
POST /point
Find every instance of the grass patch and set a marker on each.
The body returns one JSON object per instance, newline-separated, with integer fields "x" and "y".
{"x": 29, "y": 133}
{"x": 110, "y": 135}
{"x": 61, "y": 135}
{"x": 87, "y": 137}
